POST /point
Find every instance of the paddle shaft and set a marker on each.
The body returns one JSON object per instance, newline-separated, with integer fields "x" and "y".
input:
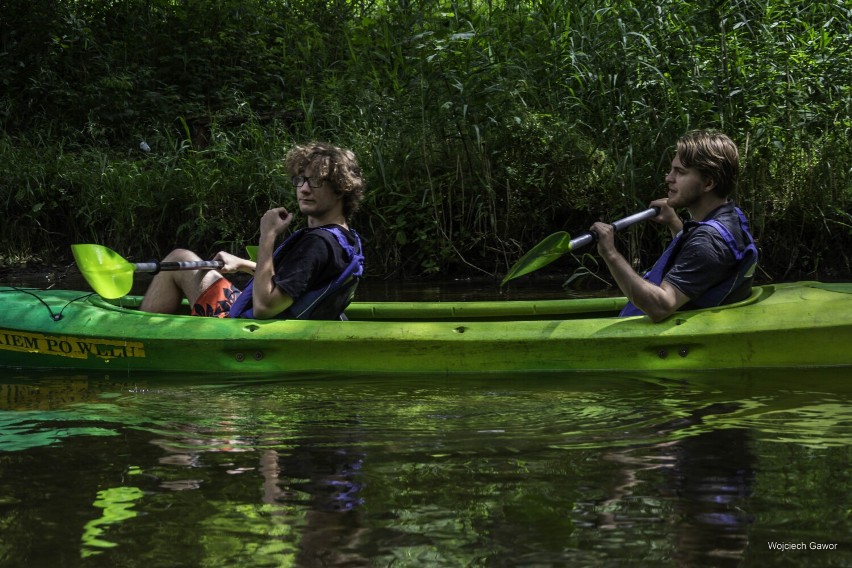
{"x": 157, "y": 266}
{"x": 590, "y": 237}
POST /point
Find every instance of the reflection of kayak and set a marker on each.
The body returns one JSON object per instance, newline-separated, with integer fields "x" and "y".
{"x": 805, "y": 324}
{"x": 45, "y": 394}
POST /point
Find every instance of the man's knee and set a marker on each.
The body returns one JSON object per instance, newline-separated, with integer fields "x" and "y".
{"x": 181, "y": 255}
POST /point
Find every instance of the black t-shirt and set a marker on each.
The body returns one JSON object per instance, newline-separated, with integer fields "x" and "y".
{"x": 705, "y": 259}
{"x": 312, "y": 261}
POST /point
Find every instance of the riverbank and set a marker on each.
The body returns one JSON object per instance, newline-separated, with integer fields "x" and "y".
{"x": 480, "y": 128}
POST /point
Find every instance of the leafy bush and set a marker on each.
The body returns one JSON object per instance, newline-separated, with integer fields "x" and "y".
{"x": 481, "y": 126}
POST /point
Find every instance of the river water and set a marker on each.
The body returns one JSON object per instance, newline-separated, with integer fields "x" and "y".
{"x": 711, "y": 469}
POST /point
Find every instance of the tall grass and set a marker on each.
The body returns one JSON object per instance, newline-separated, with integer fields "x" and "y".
{"x": 145, "y": 203}
{"x": 482, "y": 125}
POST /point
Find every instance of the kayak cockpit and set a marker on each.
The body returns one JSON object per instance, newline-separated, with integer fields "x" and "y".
{"x": 517, "y": 310}
{"x": 465, "y": 311}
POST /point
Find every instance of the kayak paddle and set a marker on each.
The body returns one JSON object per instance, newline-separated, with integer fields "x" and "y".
{"x": 560, "y": 243}
{"x": 111, "y": 276}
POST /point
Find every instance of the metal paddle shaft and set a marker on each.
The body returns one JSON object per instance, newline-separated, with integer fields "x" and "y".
{"x": 589, "y": 237}
{"x": 162, "y": 266}
{"x": 559, "y": 243}
{"x": 111, "y": 276}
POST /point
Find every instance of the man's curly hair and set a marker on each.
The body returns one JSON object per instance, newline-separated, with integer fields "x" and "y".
{"x": 337, "y": 165}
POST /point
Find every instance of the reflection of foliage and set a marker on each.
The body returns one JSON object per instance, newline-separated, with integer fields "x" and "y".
{"x": 456, "y": 509}
{"x": 816, "y": 426}
{"x": 24, "y": 430}
{"x": 117, "y": 504}
{"x": 244, "y": 534}
{"x": 462, "y": 471}
{"x": 803, "y": 490}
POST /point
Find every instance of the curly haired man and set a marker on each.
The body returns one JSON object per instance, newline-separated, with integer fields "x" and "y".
{"x": 311, "y": 275}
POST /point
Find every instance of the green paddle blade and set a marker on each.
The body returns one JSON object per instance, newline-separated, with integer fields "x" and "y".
{"x": 252, "y": 252}
{"x": 559, "y": 243}
{"x": 106, "y": 272}
{"x": 540, "y": 255}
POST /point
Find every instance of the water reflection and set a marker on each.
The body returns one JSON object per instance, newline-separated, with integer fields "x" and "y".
{"x": 702, "y": 487}
{"x": 691, "y": 470}
{"x": 117, "y": 504}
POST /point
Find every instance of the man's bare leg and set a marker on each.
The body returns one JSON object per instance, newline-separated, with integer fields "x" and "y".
{"x": 168, "y": 289}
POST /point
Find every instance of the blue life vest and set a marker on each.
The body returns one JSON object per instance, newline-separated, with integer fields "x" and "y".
{"x": 715, "y": 296}
{"x": 306, "y": 305}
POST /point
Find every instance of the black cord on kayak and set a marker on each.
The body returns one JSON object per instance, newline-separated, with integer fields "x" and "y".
{"x": 54, "y": 316}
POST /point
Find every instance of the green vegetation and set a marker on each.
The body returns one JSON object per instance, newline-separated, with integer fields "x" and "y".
{"x": 482, "y": 126}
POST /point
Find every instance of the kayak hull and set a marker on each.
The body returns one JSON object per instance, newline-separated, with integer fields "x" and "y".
{"x": 796, "y": 325}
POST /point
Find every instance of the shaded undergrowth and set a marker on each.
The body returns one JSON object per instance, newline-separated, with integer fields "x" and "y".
{"x": 482, "y": 126}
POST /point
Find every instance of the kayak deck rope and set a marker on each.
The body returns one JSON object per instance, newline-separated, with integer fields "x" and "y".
{"x": 55, "y": 316}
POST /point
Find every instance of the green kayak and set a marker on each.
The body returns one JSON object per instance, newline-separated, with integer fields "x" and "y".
{"x": 795, "y": 325}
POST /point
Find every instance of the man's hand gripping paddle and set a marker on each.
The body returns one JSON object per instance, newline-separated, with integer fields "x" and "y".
{"x": 561, "y": 243}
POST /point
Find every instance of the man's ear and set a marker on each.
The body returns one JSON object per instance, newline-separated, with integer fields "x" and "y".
{"x": 709, "y": 183}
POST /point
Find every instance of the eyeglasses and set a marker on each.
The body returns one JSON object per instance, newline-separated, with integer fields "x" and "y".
{"x": 314, "y": 182}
